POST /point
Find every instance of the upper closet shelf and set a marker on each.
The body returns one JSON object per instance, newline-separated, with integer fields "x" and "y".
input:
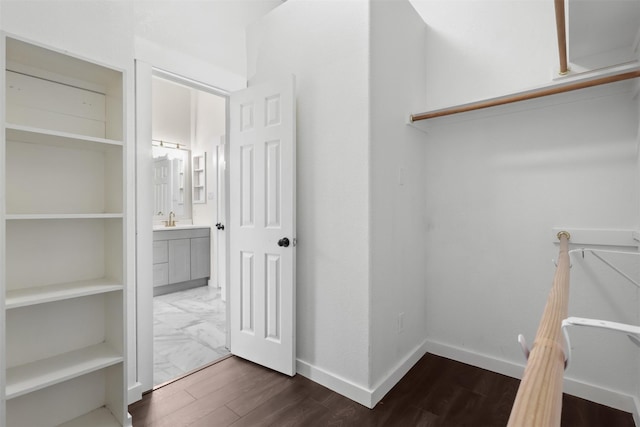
{"x": 53, "y": 90}
{"x": 568, "y": 89}
{"x": 33, "y": 135}
{"x": 30, "y": 59}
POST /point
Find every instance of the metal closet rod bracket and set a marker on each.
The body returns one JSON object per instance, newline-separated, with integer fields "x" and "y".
{"x": 594, "y": 323}
{"x": 594, "y": 252}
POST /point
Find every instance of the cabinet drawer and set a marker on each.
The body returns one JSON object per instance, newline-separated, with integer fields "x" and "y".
{"x": 160, "y": 274}
{"x": 160, "y": 252}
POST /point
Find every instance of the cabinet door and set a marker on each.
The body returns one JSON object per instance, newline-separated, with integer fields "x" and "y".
{"x": 200, "y": 257}
{"x": 179, "y": 260}
{"x": 160, "y": 252}
{"x": 160, "y": 274}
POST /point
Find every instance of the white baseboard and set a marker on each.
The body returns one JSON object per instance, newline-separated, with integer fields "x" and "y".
{"x": 475, "y": 359}
{"x": 636, "y": 411}
{"x": 386, "y": 384}
{"x": 611, "y": 398}
{"x": 370, "y": 397}
{"x": 340, "y": 385}
{"x": 362, "y": 395}
{"x": 135, "y": 393}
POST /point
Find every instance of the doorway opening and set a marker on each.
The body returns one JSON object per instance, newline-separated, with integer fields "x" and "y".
{"x": 188, "y": 128}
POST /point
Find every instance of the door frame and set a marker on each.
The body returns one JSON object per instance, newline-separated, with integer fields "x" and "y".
{"x": 140, "y": 325}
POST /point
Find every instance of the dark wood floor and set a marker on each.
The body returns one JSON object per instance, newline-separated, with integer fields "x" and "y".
{"x": 436, "y": 392}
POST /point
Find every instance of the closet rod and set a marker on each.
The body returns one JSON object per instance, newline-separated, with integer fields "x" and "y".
{"x": 562, "y": 36}
{"x": 538, "y": 93}
{"x": 539, "y": 398}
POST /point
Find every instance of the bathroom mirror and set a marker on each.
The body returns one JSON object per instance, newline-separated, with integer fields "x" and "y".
{"x": 171, "y": 182}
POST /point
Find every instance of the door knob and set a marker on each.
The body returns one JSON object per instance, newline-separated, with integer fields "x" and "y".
{"x": 284, "y": 242}
{"x": 220, "y": 226}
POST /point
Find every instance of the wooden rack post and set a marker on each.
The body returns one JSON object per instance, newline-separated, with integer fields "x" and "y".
{"x": 539, "y": 398}
{"x": 562, "y": 36}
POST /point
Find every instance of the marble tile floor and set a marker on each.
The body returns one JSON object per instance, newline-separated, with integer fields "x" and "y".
{"x": 188, "y": 332}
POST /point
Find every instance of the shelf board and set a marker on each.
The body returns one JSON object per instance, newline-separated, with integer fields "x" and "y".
{"x": 64, "y": 216}
{"x": 567, "y": 89}
{"x": 37, "y": 375}
{"x": 60, "y": 291}
{"x": 35, "y": 135}
{"x": 59, "y": 65}
{"x": 100, "y": 417}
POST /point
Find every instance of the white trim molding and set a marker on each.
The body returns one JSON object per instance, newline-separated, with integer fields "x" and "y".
{"x": 362, "y": 395}
{"x": 636, "y": 411}
{"x": 369, "y": 397}
{"x": 336, "y": 383}
{"x": 386, "y": 384}
{"x": 135, "y": 392}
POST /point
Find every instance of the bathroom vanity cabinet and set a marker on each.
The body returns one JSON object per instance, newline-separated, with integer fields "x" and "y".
{"x": 181, "y": 259}
{"x": 63, "y": 235}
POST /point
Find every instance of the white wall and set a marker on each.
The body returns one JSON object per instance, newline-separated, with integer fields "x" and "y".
{"x": 209, "y": 119}
{"x": 483, "y": 49}
{"x": 171, "y": 112}
{"x": 496, "y": 186}
{"x": 99, "y": 30}
{"x": 398, "y": 191}
{"x": 210, "y": 116}
{"x": 201, "y": 40}
{"x": 210, "y": 30}
{"x": 325, "y": 44}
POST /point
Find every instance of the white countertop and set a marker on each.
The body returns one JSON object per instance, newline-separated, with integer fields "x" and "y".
{"x": 178, "y": 226}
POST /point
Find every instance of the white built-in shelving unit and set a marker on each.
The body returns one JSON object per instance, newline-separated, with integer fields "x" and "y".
{"x": 199, "y": 178}
{"x": 63, "y": 231}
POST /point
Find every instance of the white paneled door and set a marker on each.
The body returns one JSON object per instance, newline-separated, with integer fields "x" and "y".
{"x": 262, "y": 224}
